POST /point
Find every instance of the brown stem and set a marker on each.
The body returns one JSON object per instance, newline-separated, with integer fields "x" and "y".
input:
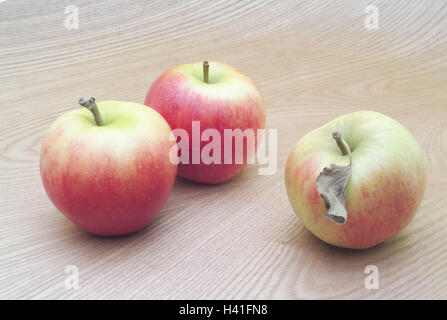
{"x": 206, "y": 68}
{"x": 91, "y": 105}
{"x": 344, "y": 147}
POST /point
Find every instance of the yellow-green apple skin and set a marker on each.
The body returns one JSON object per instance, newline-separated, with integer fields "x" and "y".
{"x": 230, "y": 100}
{"x": 385, "y": 189}
{"x": 111, "y": 179}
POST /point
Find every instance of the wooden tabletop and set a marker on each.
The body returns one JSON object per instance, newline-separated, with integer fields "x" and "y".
{"x": 312, "y": 61}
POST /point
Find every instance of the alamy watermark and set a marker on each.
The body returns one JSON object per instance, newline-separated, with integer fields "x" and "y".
{"x": 238, "y": 147}
{"x": 72, "y": 18}
{"x": 372, "y": 280}
{"x": 372, "y": 18}
{"x": 72, "y": 281}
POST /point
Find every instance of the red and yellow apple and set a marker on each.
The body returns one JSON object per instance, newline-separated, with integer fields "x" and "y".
{"x": 386, "y": 184}
{"x": 108, "y": 171}
{"x": 217, "y": 96}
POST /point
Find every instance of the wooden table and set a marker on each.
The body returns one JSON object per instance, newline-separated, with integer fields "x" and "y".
{"x": 312, "y": 60}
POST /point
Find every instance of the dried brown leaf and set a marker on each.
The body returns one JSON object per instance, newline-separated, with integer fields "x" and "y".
{"x": 332, "y": 183}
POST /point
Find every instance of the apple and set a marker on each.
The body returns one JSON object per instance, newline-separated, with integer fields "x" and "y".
{"x": 215, "y": 96}
{"x": 382, "y": 189}
{"x": 108, "y": 170}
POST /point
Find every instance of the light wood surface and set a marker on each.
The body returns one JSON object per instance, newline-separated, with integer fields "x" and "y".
{"x": 312, "y": 60}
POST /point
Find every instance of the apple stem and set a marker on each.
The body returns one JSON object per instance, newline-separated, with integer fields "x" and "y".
{"x": 344, "y": 147}
{"x": 206, "y": 68}
{"x": 91, "y": 105}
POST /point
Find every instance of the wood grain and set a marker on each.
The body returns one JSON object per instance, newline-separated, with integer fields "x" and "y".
{"x": 312, "y": 60}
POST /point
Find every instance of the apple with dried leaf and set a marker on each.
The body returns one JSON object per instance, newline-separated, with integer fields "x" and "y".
{"x": 357, "y": 180}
